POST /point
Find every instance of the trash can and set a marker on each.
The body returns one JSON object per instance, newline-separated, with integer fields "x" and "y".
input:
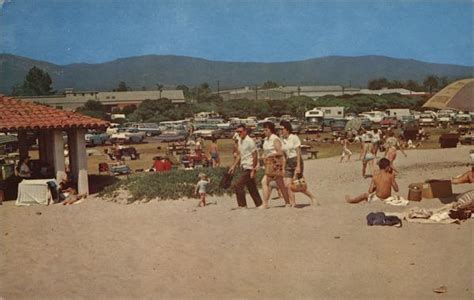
{"x": 448, "y": 140}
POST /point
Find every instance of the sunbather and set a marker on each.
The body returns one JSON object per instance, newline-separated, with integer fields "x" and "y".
{"x": 380, "y": 186}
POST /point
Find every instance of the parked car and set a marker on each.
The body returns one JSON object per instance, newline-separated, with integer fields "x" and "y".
{"x": 208, "y": 131}
{"x": 173, "y": 135}
{"x": 296, "y": 126}
{"x": 389, "y": 122}
{"x": 427, "y": 119}
{"x": 338, "y": 125}
{"x": 96, "y": 138}
{"x": 127, "y": 136}
{"x": 366, "y": 123}
{"x": 444, "y": 118}
{"x": 463, "y": 119}
{"x": 150, "y": 129}
{"x": 409, "y": 122}
{"x": 113, "y": 128}
{"x": 350, "y": 116}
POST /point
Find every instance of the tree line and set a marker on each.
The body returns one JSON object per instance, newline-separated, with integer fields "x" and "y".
{"x": 430, "y": 84}
{"x": 38, "y": 83}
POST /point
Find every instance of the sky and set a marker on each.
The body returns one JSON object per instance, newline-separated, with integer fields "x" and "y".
{"x": 95, "y": 31}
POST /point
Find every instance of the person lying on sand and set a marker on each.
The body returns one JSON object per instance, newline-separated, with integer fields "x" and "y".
{"x": 380, "y": 186}
{"x": 467, "y": 177}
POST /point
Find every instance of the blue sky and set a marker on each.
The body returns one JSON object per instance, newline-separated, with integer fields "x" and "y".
{"x": 94, "y": 31}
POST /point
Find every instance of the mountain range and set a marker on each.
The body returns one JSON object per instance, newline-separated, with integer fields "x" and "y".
{"x": 168, "y": 70}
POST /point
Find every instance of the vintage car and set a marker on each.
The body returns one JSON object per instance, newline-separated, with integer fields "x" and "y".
{"x": 388, "y": 122}
{"x": 150, "y": 129}
{"x": 338, "y": 125}
{"x": 127, "y": 136}
{"x": 462, "y": 119}
{"x": 208, "y": 131}
{"x": 96, "y": 138}
{"x": 427, "y": 119}
{"x": 173, "y": 135}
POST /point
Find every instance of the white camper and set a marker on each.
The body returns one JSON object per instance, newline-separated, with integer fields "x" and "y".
{"x": 332, "y": 112}
{"x": 398, "y": 112}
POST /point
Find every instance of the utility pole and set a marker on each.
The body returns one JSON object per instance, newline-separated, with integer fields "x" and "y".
{"x": 218, "y": 89}
{"x": 256, "y": 92}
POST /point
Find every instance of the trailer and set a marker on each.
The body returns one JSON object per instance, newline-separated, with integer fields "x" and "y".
{"x": 332, "y": 112}
{"x": 398, "y": 113}
{"x": 313, "y": 121}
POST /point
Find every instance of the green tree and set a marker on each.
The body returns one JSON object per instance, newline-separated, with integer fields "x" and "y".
{"x": 129, "y": 109}
{"x": 270, "y": 85}
{"x": 412, "y": 85}
{"x": 93, "y": 108}
{"x": 36, "y": 83}
{"x": 431, "y": 83}
{"x": 122, "y": 87}
{"x": 159, "y": 87}
{"x": 201, "y": 92}
{"x": 378, "y": 84}
{"x": 185, "y": 89}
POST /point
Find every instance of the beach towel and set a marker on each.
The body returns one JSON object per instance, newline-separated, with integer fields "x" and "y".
{"x": 394, "y": 200}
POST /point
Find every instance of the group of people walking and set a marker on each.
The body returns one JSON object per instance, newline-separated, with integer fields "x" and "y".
{"x": 371, "y": 142}
{"x": 284, "y": 148}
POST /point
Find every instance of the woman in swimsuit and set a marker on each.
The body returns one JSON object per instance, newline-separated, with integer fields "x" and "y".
{"x": 214, "y": 153}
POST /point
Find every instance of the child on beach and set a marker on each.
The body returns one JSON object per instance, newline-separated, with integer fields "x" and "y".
{"x": 380, "y": 186}
{"x": 201, "y": 187}
{"x": 345, "y": 149}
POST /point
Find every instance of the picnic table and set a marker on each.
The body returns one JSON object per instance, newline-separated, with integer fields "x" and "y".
{"x": 178, "y": 148}
{"x": 307, "y": 150}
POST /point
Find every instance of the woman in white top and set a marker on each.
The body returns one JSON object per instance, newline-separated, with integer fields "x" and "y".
{"x": 294, "y": 163}
{"x": 24, "y": 169}
{"x": 272, "y": 147}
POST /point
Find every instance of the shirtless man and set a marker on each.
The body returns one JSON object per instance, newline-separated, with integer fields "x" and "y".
{"x": 380, "y": 186}
{"x": 467, "y": 177}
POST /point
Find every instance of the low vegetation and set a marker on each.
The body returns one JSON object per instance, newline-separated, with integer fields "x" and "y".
{"x": 174, "y": 184}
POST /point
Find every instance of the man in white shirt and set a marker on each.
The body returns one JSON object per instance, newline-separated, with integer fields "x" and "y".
{"x": 247, "y": 157}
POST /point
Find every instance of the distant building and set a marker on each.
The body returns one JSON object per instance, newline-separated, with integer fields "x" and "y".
{"x": 316, "y": 91}
{"x": 72, "y": 99}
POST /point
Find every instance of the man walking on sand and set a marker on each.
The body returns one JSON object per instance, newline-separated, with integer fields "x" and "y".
{"x": 246, "y": 155}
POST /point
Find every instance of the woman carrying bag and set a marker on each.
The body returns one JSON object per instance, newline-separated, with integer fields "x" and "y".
{"x": 274, "y": 164}
{"x": 294, "y": 180}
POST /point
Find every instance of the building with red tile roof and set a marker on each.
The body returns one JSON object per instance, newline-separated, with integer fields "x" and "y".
{"x": 49, "y": 125}
{"x": 22, "y": 115}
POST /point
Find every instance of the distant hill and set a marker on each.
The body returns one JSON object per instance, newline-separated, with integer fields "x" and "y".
{"x": 173, "y": 70}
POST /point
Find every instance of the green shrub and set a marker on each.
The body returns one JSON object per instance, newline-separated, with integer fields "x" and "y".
{"x": 174, "y": 184}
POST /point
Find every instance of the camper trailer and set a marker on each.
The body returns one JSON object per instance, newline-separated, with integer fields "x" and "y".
{"x": 332, "y": 112}
{"x": 398, "y": 113}
{"x": 313, "y": 121}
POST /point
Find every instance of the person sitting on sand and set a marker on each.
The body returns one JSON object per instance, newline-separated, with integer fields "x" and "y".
{"x": 201, "y": 187}
{"x": 68, "y": 193}
{"x": 380, "y": 186}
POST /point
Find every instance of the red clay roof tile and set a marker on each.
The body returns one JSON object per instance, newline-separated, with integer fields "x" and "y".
{"x": 16, "y": 114}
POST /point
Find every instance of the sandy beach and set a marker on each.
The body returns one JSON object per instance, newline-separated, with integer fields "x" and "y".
{"x": 171, "y": 249}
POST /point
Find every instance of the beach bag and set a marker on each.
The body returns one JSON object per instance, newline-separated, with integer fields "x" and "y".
{"x": 298, "y": 185}
{"x": 379, "y": 218}
{"x": 274, "y": 165}
{"x": 226, "y": 180}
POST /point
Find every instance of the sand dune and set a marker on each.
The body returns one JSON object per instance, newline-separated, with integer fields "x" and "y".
{"x": 172, "y": 249}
